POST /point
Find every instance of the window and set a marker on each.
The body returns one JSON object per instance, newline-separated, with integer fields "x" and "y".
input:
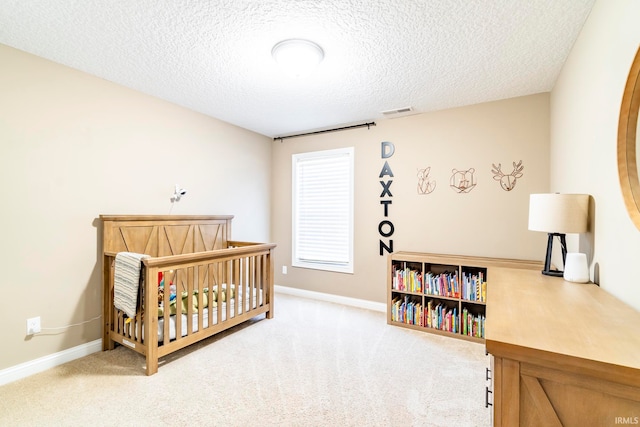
{"x": 323, "y": 210}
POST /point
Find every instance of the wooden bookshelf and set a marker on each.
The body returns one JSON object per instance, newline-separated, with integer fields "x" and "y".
{"x": 442, "y": 294}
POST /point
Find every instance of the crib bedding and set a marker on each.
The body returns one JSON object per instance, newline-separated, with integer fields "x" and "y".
{"x": 195, "y": 320}
{"x": 193, "y": 300}
{"x": 257, "y": 296}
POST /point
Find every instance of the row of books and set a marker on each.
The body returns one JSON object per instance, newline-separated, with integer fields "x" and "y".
{"x": 474, "y": 287}
{"x": 437, "y": 316}
{"x": 405, "y": 310}
{"x": 444, "y": 284}
{"x": 407, "y": 280}
{"x": 472, "y": 324}
{"x": 442, "y": 317}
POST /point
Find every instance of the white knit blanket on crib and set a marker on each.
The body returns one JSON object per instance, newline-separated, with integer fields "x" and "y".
{"x": 127, "y": 281}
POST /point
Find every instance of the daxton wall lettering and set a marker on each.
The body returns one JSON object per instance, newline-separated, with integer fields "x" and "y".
{"x": 386, "y": 228}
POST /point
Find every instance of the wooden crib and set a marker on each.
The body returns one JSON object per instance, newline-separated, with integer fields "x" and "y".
{"x": 219, "y": 283}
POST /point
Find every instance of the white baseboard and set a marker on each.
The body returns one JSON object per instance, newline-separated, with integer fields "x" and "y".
{"x": 26, "y": 369}
{"x": 353, "y": 302}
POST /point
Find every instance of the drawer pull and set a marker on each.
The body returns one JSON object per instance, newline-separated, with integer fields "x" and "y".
{"x": 486, "y": 398}
{"x": 488, "y": 376}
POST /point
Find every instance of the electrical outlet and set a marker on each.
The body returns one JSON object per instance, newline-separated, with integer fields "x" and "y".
{"x": 33, "y": 325}
{"x": 284, "y": 269}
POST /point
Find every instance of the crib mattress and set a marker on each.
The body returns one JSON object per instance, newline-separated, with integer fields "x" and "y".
{"x": 204, "y": 314}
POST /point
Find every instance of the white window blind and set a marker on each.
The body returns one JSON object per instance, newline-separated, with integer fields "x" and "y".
{"x": 323, "y": 210}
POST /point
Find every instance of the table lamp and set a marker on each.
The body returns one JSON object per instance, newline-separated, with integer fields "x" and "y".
{"x": 558, "y": 214}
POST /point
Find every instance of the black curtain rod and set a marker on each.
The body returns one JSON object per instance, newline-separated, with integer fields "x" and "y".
{"x": 368, "y": 125}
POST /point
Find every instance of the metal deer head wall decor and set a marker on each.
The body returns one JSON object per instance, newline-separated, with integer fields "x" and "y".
{"x": 508, "y": 182}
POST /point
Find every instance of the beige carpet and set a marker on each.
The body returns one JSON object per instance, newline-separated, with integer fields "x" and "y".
{"x": 314, "y": 364}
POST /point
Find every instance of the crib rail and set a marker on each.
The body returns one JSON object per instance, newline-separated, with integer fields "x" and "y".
{"x": 214, "y": 291}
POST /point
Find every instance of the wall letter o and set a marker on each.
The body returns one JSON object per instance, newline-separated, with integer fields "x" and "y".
{"x": 391, "y": 228}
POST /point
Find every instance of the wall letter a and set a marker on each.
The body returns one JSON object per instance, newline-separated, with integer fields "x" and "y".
{"x": 386, "y": 170}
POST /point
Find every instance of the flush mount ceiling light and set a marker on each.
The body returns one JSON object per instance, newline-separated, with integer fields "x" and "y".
{"x": 297, "y": 57}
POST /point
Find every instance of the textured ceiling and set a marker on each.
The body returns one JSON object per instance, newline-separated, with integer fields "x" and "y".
{"x": 215, "y": 56}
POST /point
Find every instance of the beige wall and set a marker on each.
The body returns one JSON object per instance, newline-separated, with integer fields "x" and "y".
{"x": 488, "y": 221}
{"x": 585, "y": 106}
{"x": 72, "y": 147}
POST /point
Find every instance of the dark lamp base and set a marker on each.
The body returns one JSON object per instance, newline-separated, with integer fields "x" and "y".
{"x": 547, "y": 261}
{"x": 556, "y": 273}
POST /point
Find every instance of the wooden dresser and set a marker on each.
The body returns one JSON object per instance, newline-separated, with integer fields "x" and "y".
{"x": 564, "y": 354}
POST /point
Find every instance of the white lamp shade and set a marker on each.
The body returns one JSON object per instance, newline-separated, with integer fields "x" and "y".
{"x": 558, "y": 213}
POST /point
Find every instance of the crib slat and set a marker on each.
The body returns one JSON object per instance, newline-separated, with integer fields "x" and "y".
{"x": 210, "y": 282}
{"x": 265, "y": 278}
{"x": 245, "y": 284}
{"x": 252, "y": 281}
{"x": 167, "y": 305}
{"x": 137, "y": 326}
{"x": 228, "y": 285}
{"x": 237, "y": 301}
{"x": 202, "y": 273}
{"x": 239, "y": 283}
{"x": 120, "y": 322}
{"x": 189, "y": 302}
{"x": 178, "y": 316}
{"x": 259, "y": 279}
{"x": 222, "y": 271}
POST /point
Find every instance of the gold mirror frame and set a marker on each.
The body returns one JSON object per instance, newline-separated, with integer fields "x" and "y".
{"x": 627, "y": 129}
